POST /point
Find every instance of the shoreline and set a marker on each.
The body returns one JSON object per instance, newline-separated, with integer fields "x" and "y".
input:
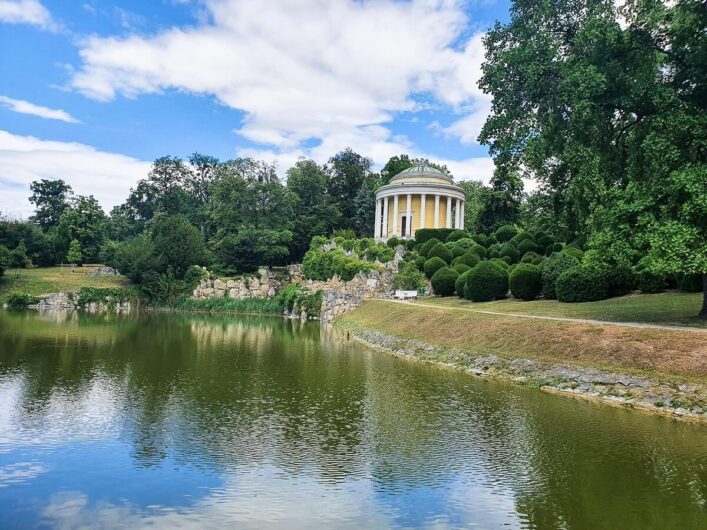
{"x": 590, "y": 384}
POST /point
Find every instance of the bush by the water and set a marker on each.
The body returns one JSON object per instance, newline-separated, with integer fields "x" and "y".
{"x": 443, "y": 281}
{"x": 554, "y": 267}
{"x": 581, "y": 284}
{"x": 526, "y": 281}
{"x": 298, "y": 298}
{"x": 460, "y": 284}
{"x": 21, "y": 299}
{"x": 319, "y": 265}
{"x": 487, "y": 281}
{"x": 432, "y": 265}
{"x": 441, "y": 251}
{"x": 226, "y": 304}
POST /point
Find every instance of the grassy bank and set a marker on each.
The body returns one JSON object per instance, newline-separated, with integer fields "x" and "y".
{"x": 670, "y": 308}
{"x": 47, "y": 280}
{"x": 677, "y": 355}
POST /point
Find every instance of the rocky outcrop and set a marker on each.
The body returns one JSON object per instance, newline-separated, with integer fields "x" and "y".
{"x": 103, "y": 271}
{"x": 266, "y": 283}
{"x": 70, "y": 300}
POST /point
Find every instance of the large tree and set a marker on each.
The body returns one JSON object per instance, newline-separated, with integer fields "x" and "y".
{"x": 606, "y": 108}
{"x": 50, "y": 198}
{"x": 347, "y": 172}
{"x": 85, "y": 222}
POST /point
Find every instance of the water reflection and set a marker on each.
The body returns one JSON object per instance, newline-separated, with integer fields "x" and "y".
{"x": 174, "y": 420}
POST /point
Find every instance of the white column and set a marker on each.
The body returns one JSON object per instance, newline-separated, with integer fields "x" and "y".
{"x": 436, "y": 211}
{"x": 449, "y": 212}
{"x": 462, "y": 222}
{"x": 377, "y": 220}
{"x": 408, "y": 225}
{"x": 421, "y": 223}
{"x": 395, "y": 216}
{"x": 385, "y": 218}
{"x": 458, "y": 215}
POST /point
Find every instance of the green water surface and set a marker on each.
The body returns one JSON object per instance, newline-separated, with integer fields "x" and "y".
{"x": 169, "y": 421}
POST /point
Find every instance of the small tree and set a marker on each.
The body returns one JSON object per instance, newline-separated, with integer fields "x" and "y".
{"x": 19, "y": 257}
{"x": 74, "y": 255}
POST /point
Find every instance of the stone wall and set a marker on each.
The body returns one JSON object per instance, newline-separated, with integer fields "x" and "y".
{"x": 265, "y": 284}
{"x": 70, "y": 300}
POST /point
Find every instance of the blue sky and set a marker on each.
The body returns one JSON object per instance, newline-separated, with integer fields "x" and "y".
{"x": 94, "y": 90}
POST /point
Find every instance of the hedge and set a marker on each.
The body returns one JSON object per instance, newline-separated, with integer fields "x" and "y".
{"x": 581, "y": 284}
{"x": 440, "y": 250}
{"x": 554, "y": 266}
{"x": 425, "y": 234}
{"x": 487, "y": 281}
{"x": 509, "y": 250}
{"x": 649, "y": 282}
{"x": 460, "y": 284}
{"x": 620, "y": 280}
{"x": 432, "y": 265}
{"x": 456, "y": 235}
{"x": 526, "y": 281}
{"x": 470, "y": 259}
{"x": 505, "y": 233}
{"x": 691, "y": 283}
{"x": 443, "y": 281}
{"x": 427, "y": 246}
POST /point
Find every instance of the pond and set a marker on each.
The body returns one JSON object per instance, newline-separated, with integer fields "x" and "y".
{"x": 172, "y": 420}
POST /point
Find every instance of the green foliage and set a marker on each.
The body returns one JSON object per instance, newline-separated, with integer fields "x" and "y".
{"x": 555, "y": 247}
{"x": 481, "y": 239}
{"x": 85, "y": 221}
{"x": 529, "y": 257}
{"x": 18, "y": 256}
{"x": 420, "y": 262}
{"x": 487, "y": 281}
{"x": 432, "y": 265}
{"x": 225, "y": 305}
{"x": 410, "y": 278}
{"x": 479, "y": 251}
{"x": 526, "y": 281}
{"x": 318, "y": 265}
{"x": 440, "y": 251}
{"x": 376, "y": 251}
{"x": 39, "y": 246}
{"x": 74, "y": 254}
{"x": 460, "y": 284}
{"x": 620, "y": 280}
{"x": 21, "y": 300}
{"x": 394, "y": 242}
{"x": 425, "y": 234}
{"x": 520, "y": 237}
{"x": 443, "y": 281}
{"x": 109, "y": 296}
{"x": 461, "y": 268}
{"x": 344, "y": 233}
{"x": 456, "y": 250}
{"x": 428, "y": 245}
{"x": 509, "y": 251}
{"x": 252, "y": 247}
{"x": 470, "y": 258}
{"x": 500, "y": 263}
{"x": 5, "y": 259}
{"x": 505, "y": 233}
{"x": 554, "y": 267}
{"x": 296, "y": 298}
{"x": 456, "y": 235}
{"x": 527, "y": 245}
{"x": 650, "y": 282}
{"x": 581, "y": 284}
{"x": 574, "y": 252}
{"x": 50, "y": 198}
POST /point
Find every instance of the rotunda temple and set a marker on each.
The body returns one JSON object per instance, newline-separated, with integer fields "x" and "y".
{"x": 418, "y": 197}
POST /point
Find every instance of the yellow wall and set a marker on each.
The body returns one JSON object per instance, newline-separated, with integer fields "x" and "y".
{"x": 416, "y": 210}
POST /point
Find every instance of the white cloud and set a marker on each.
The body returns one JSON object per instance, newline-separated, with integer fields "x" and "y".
{"x": 26, "y": 12}
{"x": 302, "y": 70}
{"x": 25, "y": 107}
{"x": 107, "y": 176}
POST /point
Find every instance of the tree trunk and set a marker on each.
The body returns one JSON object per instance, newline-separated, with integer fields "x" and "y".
{"x": 703, "y": 313}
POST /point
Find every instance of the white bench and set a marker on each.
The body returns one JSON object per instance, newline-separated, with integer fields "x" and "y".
{"x": 405, "y": 295}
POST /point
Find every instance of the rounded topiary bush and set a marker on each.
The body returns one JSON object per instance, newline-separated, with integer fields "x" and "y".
{"x": 443, "y": 281}
{"x": 501, "y": 263}
{"x": 457, "y": 235}
{"x": 691, "y": 283}
{"x": 505, "y": 233}
{"x": 494, "y": 254}
{"x": 508, "y": 250}
{"x": 539, "y": 260}
{"x": 410, "y": 244}
{"x": 470, "y": 259}
{"x": 554, "y": 266}
{"x": 394, "y": 242}
{"x": 420, "y": 262}
{"x": 527, "y": 245}
{"x": 526, "y": 281}
{"x": 574, "y": 252}
{"x": 480, "y": 239}
{"x": 456, "y": 250}
{"x": 432, "y": 265}
{"x": 528, "y": 257}
{"x": 487, "y": 281}
{"x": 649, "y": 282}
{"x": 460, "y": 284}
{"x": 542, "y": 239}
{"x": 620, "y": 280}
{"x": 520, "y": 237}
{"x": 479, "y": 251}
{"x": 551, "y": 249}
{"x": 581, "y": 284}
{"x": 440, "y": 250}
{"x": 461, "y": 268}
{"x": 427, "y": 246}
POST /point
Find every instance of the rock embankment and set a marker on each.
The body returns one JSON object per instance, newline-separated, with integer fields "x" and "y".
{"x": 687, "y": 401}
{"x": 72, "y": 300}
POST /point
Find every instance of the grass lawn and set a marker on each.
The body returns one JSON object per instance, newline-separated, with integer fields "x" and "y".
{"x": 664, "y": 308}
{"x": 54, "y": 279}
{"x": 678, "y": 353}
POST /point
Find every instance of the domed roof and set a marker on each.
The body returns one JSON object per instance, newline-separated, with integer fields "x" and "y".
{"x": 421, "y": 170}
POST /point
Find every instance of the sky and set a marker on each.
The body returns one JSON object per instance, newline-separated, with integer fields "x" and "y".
{"x": 92, "y": 91}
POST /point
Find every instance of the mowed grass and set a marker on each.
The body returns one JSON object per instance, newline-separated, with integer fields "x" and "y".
{"x": 681, "y": 354}
{"x": 671, "y": 308}
{"x": 46, "y": 280}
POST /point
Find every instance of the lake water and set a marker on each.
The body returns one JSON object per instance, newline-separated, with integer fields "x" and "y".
{"x": 169, "y": 421}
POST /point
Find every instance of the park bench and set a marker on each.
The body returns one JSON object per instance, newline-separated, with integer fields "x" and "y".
{"x": 405, "y": 295}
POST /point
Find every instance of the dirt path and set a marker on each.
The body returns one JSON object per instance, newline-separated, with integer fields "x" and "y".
{"x": 561, "y": 319}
